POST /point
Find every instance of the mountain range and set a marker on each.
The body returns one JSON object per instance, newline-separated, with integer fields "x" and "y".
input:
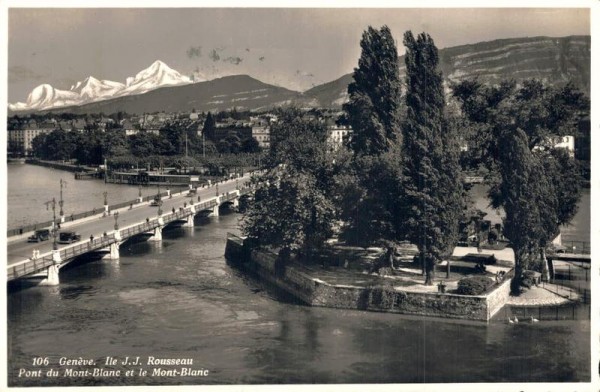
{"x": 44, "y": 97}
{"x": 159, "y": 88}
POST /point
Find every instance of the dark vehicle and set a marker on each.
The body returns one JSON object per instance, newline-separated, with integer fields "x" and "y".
{"x": 68, "y": 237}
{"x": 156, "y": 202}
{"x": 39, "y": 235}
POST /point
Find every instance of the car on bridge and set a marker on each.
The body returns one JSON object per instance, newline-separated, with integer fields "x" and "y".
{"x": 68, "y": 237}
{"x": 39, "y": 235}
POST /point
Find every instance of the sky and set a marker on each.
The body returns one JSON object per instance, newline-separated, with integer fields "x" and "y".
{"x": 295, "y": 48}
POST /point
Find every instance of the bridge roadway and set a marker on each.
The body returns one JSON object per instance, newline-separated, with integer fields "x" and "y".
{"x": 20, "y": 251}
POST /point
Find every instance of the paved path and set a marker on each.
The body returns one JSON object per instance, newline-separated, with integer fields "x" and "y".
{"x": 19, "y": 250}
{"x": 548, "y": 295}
{"x": 506, "y": 254}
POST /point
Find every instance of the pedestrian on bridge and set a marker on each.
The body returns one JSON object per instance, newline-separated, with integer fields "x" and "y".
{"x": 91, "y": 238}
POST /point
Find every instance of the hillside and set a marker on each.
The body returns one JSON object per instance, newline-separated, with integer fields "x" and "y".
{"x": 554, "y": 60}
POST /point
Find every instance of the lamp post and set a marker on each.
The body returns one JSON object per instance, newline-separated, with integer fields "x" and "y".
{"x": 105, "y": 194}
{"x": 53, "y": 204}
{"x": 217, "y": 189}
{"x": 116, "y": 220}
{"x": 159, "y": 200}
{"x": 63, "y": 183}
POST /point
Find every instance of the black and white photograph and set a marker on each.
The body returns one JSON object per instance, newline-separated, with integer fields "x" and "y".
{"x": 358, "y": 197}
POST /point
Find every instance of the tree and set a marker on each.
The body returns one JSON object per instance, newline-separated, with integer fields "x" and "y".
{"x": 209, "y": 127}
{"x": 250, "y": 145}
{"x": 373, "y": 109}
{"x": 432, "y": 182}
{"x": 369, "y": 185}
{"x": 521, "y": 196}
{"x": 527, "y": 120}
{"x": 293, "y": 209}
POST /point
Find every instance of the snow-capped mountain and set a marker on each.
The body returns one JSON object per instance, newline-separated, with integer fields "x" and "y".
{"x": 45, "y": 96}
{"x": 157, "y": 75}
{"x": 91, "y": 89}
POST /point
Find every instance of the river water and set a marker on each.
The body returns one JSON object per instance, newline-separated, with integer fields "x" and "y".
{"x": 179, "y": 298}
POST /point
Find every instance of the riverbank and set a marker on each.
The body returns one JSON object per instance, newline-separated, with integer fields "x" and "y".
{"x": 341, "y": 287}
{"x": 322, "y": 287}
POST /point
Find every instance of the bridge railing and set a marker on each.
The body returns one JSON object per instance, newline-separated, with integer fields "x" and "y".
{"x": 138, "y": 229}
{"x": 179, "y": 214}
{"x": 77, "y": 250}
{"x": 30, "y": 267}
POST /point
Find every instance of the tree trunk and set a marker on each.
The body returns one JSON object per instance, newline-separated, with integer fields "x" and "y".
{"x": 429, "y": 272}
{"x": 515, "y": 284}
{"x": 545, "y": 268}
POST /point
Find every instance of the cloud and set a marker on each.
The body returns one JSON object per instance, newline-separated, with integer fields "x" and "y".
{"x": 194, "y": 52}
{"x": 233, "y": 60}
{"x": 214, "y": 55}
{"x": 19, "y": 73}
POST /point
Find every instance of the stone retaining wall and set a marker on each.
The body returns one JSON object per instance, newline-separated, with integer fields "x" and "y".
{"x": 316, "y": 292}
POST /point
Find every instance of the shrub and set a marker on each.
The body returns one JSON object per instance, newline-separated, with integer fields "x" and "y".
{"x": 474, "y": 285}
{"x": 382, "y": 296}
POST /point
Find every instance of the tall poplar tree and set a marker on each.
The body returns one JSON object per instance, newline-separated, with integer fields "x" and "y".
{"x": 433, "y": 189}
{"x": 374, "y": 112}
{"x": 373, "y": 109}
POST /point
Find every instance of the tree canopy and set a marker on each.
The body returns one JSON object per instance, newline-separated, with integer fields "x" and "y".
{"x": 433, "y": 194}
{"x": 536, "y": 183}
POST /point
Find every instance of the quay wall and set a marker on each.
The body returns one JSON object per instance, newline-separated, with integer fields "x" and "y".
{"x": 59, "y": 165}
{"x": 316, "y": 292}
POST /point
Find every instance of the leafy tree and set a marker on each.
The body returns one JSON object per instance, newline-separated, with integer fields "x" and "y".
{"x": 529, "y": 117}
{"x": 370, "y": 183}
{"x": 115, "y": 143}
{"x": 234, "y": 143}
{"x": 293, "y": 209}
{"x": 209, "y": 127}
{"x": 522, "y": 197}
{"x": 250, "y": 145}
{"x": 432, "y": 183}
{"x": 373, "y": 109}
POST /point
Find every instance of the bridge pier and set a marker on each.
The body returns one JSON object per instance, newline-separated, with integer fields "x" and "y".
{"x": 190, "y": 219}
{"x": 215, "y": 210}
{"x": 157, "y": 233}
{"x": 52, "y": 278}
{"x": 113, "y": 249}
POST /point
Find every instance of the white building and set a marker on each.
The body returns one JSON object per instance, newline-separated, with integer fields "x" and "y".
{"x": 262, "y": 134}
{"x": 337, "y": 134}
{"x": 21, "y": 138}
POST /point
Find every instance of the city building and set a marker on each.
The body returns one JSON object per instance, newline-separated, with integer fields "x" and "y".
{"x": 20, "y": 138}
{"x": 337, "y": 135}
{"x": 262, "y": 134}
